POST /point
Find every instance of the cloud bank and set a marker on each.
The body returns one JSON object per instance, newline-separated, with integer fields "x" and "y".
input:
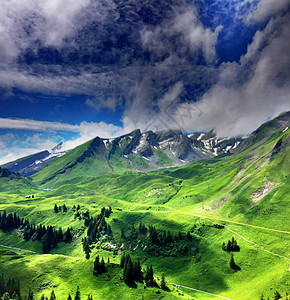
{"x": 47, "y": 136}
{"x": 157, "y": 61}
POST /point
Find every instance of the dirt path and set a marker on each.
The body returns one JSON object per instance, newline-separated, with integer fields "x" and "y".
{"x": 200, "y": 291}
{"x": 18, "y": 249}
{"x": 253, "y": 244}
{"x": 203, "y": 216}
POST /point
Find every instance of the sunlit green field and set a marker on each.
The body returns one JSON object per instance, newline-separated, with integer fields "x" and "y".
{"x": 225, "y": 190}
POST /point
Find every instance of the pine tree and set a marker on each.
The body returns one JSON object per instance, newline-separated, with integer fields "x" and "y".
{"x": 229, "y": 248}
{"x": 163, "y": 282}
{"x": 149, "y": 276}
{"x": 90, "y": 297}
{"x": 128, "y": 271}
{"x": 103, "y": 268}
{"x": 122, "y": 261}
{"x": 78, "y": 294}
{"x": 138, "y": 275}
{"x": 64, "y": 208}
{"x": 52, "y": 295}
{"x": 262, "y": 297}
{"x": 69, "y": 297}
{"x": 55, "y": 209}
{"x": 30, "y": 295}
{"x": 87, "y": 251}
{"x": 277, "y": 295}
{"x": 67, "y": 236}
{"x": 224, "y": 246}
{"x": 42, "y": 297}
{"x": 99, "y": 267}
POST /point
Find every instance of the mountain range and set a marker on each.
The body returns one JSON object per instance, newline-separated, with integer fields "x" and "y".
{"x": 216, "y": 227}
{"x": 135, "y": 151}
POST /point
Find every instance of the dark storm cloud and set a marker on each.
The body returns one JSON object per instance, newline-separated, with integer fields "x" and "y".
{"x": 144, "y": 56}
{"x": 101, "y": 47}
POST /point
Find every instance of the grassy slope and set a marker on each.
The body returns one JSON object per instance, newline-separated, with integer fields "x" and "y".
{"x": 224, "y": 185}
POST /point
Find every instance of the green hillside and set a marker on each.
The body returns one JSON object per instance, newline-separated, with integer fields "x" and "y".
{"x": 186, "y": 214}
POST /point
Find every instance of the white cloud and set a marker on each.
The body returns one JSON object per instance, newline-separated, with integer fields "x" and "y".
{"x": 266, "y": 9}
{"x": 23, "y": 22}
{"x": 248, "y": 93}
{"x": 38, "y": 142}
{"x": 26, "y": 124}
{"x": 182, "y": 31}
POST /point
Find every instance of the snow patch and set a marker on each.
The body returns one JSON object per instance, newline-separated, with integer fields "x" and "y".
{"x": 200, "y": 137}
{"x": 215, "y": 151}
{"x": 236, "y": 144}
{"x": 285, "y": 129}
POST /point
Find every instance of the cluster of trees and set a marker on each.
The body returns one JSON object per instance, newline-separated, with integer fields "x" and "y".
{"x": 11, "y": 221}
{"x": 132, "y": 269}
{"x": 160, "y": 242}
{"x": 60, "y": 208}
{"x": 133, "y": 272}
{"x": 30, "y": 296}
{"x": 9, "y": 288}
{"x": 99, "y": 266}
{"x": 277, "y": 295}
{"x": 48, "y": 236}
{"x": 6, "y": 173}
{"x": 97, "y": 227}
{"x": 231, "y": 246}
{"x": 76, "y": 208}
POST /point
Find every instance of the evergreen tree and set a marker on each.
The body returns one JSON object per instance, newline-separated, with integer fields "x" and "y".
{"x": 55, "y": 209}
{"x": 52, "y": 295}
{"x": 87, "y": 251}
{"x": 128, "y": 271}
{"x": 163, "y": 282}
{"x": 67, "y": 236}
{"x": 102, "y": 266}
{"x": 228, "y": 248}
{"x": 30, "y": 295}
{"x": 122, "y": 261}
{"x": 90, "y": 297}
{"x": 262, "y": 297}
{"x": 42, "y": 297}
{"x": 78, "y": 294}
{"x": 224, "y": 246}
{"x": 149, "y": 277}
{"x": 138, "y": 275}
{"x": 277, "y": 295}
{"x": 64, "y": 208}
{"x": 69, "y": 297}
{"x": 99, "y": 267}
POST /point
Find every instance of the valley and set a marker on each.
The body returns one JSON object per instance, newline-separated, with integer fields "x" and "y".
{"x": 175, "y": 218}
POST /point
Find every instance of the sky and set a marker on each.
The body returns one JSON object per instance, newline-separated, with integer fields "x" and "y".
{"x": 71, "y": 70}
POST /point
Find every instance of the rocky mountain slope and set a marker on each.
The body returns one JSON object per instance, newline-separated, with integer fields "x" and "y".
{"x": 151, "y": 149}
{"x": 31, "y": 164}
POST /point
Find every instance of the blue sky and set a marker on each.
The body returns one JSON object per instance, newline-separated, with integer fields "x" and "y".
{"x": 71, "y": 70}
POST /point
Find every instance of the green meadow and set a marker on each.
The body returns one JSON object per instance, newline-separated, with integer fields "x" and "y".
{"x": 244, "y": 195}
